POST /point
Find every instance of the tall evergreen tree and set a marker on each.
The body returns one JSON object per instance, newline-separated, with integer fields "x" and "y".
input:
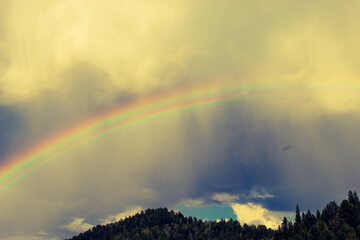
{"x": 285, "y": 228}
{"x": 356, "y": 197}
{"x": 329, "y": 212}
{"x": 351, "y": 197}
{"x": 314, "y": 233}
{"x": 297, "y": 215}
{"x": 303, "y": 217}
{"x": 317, "y": 215}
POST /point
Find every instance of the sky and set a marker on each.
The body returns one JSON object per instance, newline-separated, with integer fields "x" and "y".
{"x": 219, "y": 109}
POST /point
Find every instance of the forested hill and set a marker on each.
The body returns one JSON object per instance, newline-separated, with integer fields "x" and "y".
{"x": 333, "y": 222}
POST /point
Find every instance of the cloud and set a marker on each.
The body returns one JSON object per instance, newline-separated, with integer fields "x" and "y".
{"x": 64, "y": 61}
{"x": 194, "y": 202}
{"x": 37, "y": 236}
{"x": 262, "y": 194}
{"x": 255, "y": 214}
{"x": 121, "y": 216}
{"x": 225, "y": 219}
{"x": 225, "y": 197}
{"x": 249, "y": 212}
{"x": 77, "y": 225}
{"x": 11, "y": 124}
{"x": 109, "y": 46}
{"x": 29, "y": 237}
{"x": 199, "y": 47}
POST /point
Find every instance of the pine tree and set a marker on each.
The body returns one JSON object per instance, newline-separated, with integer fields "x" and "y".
{"x": 351, "y": 197}
{"x": 329, "y": 212}
{"x": 303, "y": 217}
{"x": 356, "y": 197}
{"x": 284, "y": 228}
{"x": 314, "y": 233}
{"x": 297, "y": 216}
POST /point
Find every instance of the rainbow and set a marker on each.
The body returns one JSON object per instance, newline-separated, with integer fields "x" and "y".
{"x": 91, "y": 131}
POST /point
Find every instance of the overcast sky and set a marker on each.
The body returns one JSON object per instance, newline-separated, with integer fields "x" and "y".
{"x": 293, "y": 140}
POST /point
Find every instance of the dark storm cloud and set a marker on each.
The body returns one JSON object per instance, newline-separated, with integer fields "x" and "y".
{"x": 323, "y": 166}
{"x": 243, "y": 156}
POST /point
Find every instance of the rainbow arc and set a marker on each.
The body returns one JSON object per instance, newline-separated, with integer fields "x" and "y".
{"x": 99, "y": 127}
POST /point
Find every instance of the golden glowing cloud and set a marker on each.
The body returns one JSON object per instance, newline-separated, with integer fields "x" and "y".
{"x": 138, "y": 47}
{"x": 256, "y": 214}
{"x": 78, "y": 225}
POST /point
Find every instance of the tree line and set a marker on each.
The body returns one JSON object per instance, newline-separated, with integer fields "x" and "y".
{"x": 338, "y": 222}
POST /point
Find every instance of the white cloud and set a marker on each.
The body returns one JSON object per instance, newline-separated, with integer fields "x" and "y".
{"x": 225, "y": 197}
{"x": 256, "y": 214}
{"x": 262, "y": 194}
{"x": 194, "y": 203}
{"x": 120, "y": 216}
{"x": 78, "y": 225}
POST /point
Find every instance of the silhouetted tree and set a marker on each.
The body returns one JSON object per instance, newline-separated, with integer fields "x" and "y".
{"x": 317, "y": 215}
{"x": 285, "y": 228}
{"x": 351, "y": 197}
{"x": 297, "y": 215}
{"x": 329, "y": 212}
{"x": 356, "y": 198}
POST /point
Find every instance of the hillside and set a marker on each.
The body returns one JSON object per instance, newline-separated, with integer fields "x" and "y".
{"x": 333, "y": 222}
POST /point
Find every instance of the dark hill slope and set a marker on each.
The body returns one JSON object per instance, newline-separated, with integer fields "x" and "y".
{"x": 334, "y": 222}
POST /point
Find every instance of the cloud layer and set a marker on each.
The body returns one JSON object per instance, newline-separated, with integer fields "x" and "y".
{"x": 64, "y": 61}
